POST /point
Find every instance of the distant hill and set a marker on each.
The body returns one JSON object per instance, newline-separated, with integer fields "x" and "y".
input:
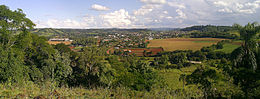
{"x": 208, "y": 28}
{"x": 204, "y": 31}
{"x": 164, "y": 29}
{"x": 48, "y": 32}
{"x": 51, "y": 32}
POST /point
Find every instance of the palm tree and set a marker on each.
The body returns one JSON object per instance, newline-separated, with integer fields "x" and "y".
{"x": 246, "y": 53}
{"x": 244, "y": 58}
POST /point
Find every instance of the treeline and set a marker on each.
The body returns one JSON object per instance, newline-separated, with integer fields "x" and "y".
{"x": 208, "y": 28}
{"x": 77, "y": 33}
{"x": 210, "y": 31}
{"x": 85, "y": 41}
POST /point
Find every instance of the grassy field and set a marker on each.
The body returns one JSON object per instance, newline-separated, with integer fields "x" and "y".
{"x": 183, "y": 43}
{"x": 172, "y": 76}
{"x": 228, "y": 47}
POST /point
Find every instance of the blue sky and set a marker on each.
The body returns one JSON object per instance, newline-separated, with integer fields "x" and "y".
{"x": 136, "y": 13}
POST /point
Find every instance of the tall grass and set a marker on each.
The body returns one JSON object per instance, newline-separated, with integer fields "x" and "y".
{"x": 31, "y": 90}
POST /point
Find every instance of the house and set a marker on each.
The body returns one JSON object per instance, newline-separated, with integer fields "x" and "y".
{"x": 54, "y": 41}
{"x": 60, "y": 39}
{"x": 195, "y": 62}
{"x": 150, "y": 38}
{"x": 116, "y": 47}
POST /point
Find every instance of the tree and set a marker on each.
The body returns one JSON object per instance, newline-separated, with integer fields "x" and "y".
{"x": 12, "y": 22}
{"x": 28, "y": 56}
{"x": 62, "y": 48}
{"x": 143, "y": 76}
{"x": 245, "y": 66}
{"x": 197, "y": 56}
{"x": 14, "y": 39}
{"x": 205, "y": 77}
{"x": 178, "y": 58}
{"x": 161, "y": 62}
{"x": 219, "y": 45}
{"x": 11, "y": 67}
{"x": 90, "y": 69}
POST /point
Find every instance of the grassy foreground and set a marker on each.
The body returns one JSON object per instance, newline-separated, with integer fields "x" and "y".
{"x": 46, "y": 91}
{"x": 30, "y": 90}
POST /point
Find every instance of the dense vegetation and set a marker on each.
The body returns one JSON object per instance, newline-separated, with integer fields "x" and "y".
{"x": 30, "y": 67}
{"x": 211, "y": 31}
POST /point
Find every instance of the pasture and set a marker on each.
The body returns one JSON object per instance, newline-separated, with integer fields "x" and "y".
{"x": 172, "y": 76}
{"x": 229, "y": 47}
{"x": 173, "y": 44}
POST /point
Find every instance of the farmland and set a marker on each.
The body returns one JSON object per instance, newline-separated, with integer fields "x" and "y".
{"x": 183, "y": 43}
{"x": 58, "y": 42}
{"x": 144, "y": 51}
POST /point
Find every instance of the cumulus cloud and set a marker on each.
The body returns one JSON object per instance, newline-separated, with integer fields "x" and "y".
{"x": 177, "y": 5}
{"x": 220, "y": 3}
{"x": 119, "y": 18}
{"x": 181, "y": 15}
{"x": 146, "y": 9}
{"x": 154, "y": 1}
{"x": 237, "y": 6}
{"x": 99, "y": 7}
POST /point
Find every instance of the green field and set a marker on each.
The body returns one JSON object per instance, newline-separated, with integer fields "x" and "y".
{"x": 228, "y": 47}
{"x": 172, "y": 76}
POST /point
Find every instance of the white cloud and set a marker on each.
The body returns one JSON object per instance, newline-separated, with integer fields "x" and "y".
{"x": 165, "y": 12}
{"x": 99, "y": 7}
{"x": 226, "y": 10}
{"x": 181, "y": 15}
{"x": 177, "y": 5}
{"x": 154, "y": 1}
{"x": 169, "y": 17}
{"x": 236, "y": 6}
{"x": 68, "y": 23}
{"x": 220, "y": 3}
{"x": 146, "y": 9}
{"x": 119, "y": 18}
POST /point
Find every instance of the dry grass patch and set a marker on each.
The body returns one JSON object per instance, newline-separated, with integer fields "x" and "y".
{"x": 183, "y": 43}
{"x": 58, "y": 42}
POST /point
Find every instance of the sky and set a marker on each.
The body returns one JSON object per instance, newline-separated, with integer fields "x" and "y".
{"x": 136, "y": 13}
